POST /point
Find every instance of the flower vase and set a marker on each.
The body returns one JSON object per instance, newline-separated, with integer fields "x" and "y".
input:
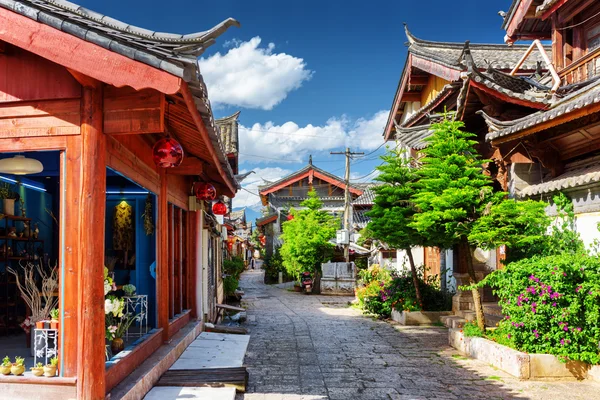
{"x": 9, "y": 206}
{"x": 117, "y": 345}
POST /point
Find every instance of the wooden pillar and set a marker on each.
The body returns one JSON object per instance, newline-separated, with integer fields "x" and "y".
{"x": 90, "y": 362}
{"x": 162, "y": 270}
{"x": 171, "y": 262}
{"x": 70, "y": 182}
{"x": 176, "y": 287}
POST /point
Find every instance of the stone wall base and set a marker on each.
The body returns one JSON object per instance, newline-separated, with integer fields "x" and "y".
{"x": 519, "y": 364}
{"x": 418, "y": 317}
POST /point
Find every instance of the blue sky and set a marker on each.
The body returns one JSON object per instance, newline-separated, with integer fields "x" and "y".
{"x": 309, "y": 76}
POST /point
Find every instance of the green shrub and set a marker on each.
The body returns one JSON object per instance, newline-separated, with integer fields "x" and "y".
{"x": 551, "y": 305}
{"x": 472, "y": 330}
{"x": 273, "y": 265}
{"x": 230, "y": 284}
{"x": 233, "y": 267}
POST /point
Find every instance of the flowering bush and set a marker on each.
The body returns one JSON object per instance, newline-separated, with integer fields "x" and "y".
{"x": 27, "y": 324}
{"x": 551, "y": 305}
{"x": 113, "y": 306}
{"x": 385, "y": 291}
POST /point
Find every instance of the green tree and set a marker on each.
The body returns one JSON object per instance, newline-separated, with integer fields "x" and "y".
{"x": 306, "y": 237}
{"x": 452, "y": 194}
{"x": 393, "y": 210}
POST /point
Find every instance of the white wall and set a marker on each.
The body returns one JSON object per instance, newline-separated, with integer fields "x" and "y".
{"x": 587, "y": 227}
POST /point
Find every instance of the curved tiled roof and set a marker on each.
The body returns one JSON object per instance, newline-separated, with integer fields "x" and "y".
{"x": 173, "y": 53}
{"x": 446, "y": 91}
{"x": 573, "y": 102}
{"x": 414, "y": 137}
{"x": 545, "y": 6}
{"x": 577, "y": 174}
{"x": 450, "y": 54}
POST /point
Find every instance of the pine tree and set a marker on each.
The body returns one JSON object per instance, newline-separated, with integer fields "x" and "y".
{"x": 393, "y": 211}
{"x": 306, "y": 237}
{"x": 452, "y": 194}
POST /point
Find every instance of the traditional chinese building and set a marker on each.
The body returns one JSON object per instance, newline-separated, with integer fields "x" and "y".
{"x": 290, "y": 191}
{"x": 88, "y": 98}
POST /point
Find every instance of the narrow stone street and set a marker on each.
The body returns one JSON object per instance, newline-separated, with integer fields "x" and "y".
{"x": 317, "y": 347}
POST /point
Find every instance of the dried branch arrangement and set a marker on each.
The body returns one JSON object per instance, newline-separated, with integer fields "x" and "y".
{"x": 39, "y": 301}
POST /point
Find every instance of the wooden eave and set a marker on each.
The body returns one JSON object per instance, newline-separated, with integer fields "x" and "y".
{"x": 266, "y": 221}
{"x": 92, "y": 63}
{"x": 506, "y": 98}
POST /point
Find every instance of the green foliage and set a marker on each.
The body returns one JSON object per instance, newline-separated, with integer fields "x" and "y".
{"x": 383, "y": 291}
{"x": 393, "y": 210}
{"x": 7, "y": 192}
{"x": 255, "y": 241}
{"x": 6, "y": 362}
{"x": 54, "y": 314}
{"x": 20, "y": 361}
{"x": 452, "y": 192}
{"x": 234, "y": 267}
{"x": 273, "y": 265}
{"x": 230, "y": 284}
{"x": 54, "y": 361}
{"x": 472, "y": 330}
{"x": 306, "y": 237}
{"x": 552, "y": 305}
{"x": 519, "y": 225}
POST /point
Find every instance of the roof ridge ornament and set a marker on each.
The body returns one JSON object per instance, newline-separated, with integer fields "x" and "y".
{"x": 411, "y": 39}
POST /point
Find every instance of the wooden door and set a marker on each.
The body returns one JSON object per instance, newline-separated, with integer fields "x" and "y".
{"x": 432, "y": 261}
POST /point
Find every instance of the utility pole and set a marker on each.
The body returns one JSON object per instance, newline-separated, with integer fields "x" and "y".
{"x": 348, "y": 155}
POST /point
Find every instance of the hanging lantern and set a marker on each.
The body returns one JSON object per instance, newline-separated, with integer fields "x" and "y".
{"x": 263, "y": 240}
{"x": 167, "y": 153}
{"x": 205, "y": 191}
{"x": 290, "y": 217}
{"x": 20, "y": 165}
{"x": 219, "y": 208}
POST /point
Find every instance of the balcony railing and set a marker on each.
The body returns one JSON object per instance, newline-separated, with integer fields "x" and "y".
{"x": 582, "y": 69}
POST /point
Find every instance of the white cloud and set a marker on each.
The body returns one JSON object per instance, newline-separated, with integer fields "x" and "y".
{"x": 252, "y": 77}
{"x": 293, "y": 143}
{"x": 253, "y": 181}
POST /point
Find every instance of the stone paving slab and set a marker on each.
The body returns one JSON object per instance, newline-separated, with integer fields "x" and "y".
{"x": 213, "y": 350}
{"x": 316, "y": 347}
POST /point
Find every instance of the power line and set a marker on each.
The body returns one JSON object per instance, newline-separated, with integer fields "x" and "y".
{"x": 285, "y": 160}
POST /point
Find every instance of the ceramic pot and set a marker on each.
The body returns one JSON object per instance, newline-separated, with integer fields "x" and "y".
{"x": 117, "y": 345}
{"x": 39, "y": 325}
{"x": 50, "y": 371}
{"x": 54, "y": 324}
{"x": 4, "y": 370}
{"x": 9, "y": 206}
{"x": 17, "y": 370}
{"x": 37, "y": 371}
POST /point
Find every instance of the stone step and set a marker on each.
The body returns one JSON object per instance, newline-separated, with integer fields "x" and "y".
{"x": 492, "y": 309}
{"x": 453, "y": 321}
{"x": 492, "y": 320}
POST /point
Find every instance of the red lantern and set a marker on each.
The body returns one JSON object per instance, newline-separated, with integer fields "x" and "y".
{"x": 263, "y": 240}
{"x": 205, "y": 191}
{"x": 167, "y": 153}
{"x": 290, "y": 217}
{"x": 219, "y": 208}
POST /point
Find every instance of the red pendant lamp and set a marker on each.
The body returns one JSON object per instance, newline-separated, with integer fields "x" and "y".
{"x": 219, "y": 208}
{"x": 167, "y": 153}
{"x": 205, "y": 191}
{"x": 290, "y": 217}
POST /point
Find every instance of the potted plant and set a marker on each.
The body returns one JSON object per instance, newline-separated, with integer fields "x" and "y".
{"x": 9, "y": 196}
{"x": 54, "y": 318}
{"x": 117, "y": 344}
{"x": 38, "y": 370}
{"x": 129, "y": 289}
{"x": 18, "y": 366}
{"x": 5, "y": 367}
{"x": 50, "y": 369}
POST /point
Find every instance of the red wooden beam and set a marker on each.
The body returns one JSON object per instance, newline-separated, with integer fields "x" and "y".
{"x": 411, "y": 96}
{"x": 83, "y": 57}
{"x": 389, "y": 127}
{"x": 517, "y": 18}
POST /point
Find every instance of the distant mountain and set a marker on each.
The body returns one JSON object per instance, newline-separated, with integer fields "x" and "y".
{"x": 252, "y": 213}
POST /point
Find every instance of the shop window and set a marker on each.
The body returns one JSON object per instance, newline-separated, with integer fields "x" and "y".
{"x": 178, "y": 268}
{"x": 130, "y": 260}
{"x": 29, "y": 255}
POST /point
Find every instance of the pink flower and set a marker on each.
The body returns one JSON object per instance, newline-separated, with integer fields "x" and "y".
{"x": 562, "y": 342}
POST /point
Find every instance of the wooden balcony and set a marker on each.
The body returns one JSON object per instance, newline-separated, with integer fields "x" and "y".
{"x": 582, "y": 69}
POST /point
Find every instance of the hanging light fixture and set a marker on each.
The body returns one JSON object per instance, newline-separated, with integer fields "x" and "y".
{"x": 20, "y": 165}
{"x": 219, "y": 208}
{"x": 205, "y": 191}
{"x": 167, "y": 152}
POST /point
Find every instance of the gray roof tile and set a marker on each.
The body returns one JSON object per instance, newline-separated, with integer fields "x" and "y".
{"x": 576, "y": 174}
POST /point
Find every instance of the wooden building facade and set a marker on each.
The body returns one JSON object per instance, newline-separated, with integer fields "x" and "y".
{"x": 100, "y": 93}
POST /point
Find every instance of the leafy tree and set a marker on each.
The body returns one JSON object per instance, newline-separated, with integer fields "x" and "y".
{"x": 306, "y": 237}
{"x": 519, "y": 225}
{"x": 452, "y": 194}
{"x": 393, "y": 210}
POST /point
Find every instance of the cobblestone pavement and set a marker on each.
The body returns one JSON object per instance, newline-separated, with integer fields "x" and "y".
{"x": 316, "y": 347}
